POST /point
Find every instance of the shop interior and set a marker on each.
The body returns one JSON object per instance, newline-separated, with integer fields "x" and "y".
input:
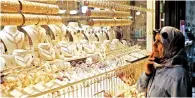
{"x": 75, "y": 48}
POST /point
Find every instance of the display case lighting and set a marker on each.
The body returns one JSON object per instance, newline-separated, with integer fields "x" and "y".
{"x": 73, "y": 12}
{"x": 138, "y": 13}
{"x": 84, "y": 9}
{"x": 96, "y": 8}
{"x": 130, "y": 17}
{"x": 62, "y": 11}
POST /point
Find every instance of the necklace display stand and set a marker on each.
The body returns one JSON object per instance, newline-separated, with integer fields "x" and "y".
{"x": 12, "y": 38}
{"x": 36, "y": 33}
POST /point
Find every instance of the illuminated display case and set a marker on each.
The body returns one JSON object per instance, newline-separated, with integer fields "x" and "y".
{"x": 62, "y": 48}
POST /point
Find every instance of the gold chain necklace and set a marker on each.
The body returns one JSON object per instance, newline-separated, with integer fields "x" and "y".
{"x": 14, "y": 38}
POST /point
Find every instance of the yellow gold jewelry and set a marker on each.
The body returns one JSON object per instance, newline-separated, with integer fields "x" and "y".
{"x": 53, "y": 9}
{"x": 10, "y": 6}
{"x": 54, "y": 20}
{"x": 7, "y": 18}
{"x": 3, "y": 19}
{"x": 31, "y": 19}
{"x": 43, "y": 19}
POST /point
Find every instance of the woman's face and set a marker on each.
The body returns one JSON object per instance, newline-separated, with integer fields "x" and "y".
{"x": 158, "y": 47}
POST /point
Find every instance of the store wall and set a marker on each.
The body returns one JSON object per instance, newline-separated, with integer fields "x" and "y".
{"x": 174, "y": 12}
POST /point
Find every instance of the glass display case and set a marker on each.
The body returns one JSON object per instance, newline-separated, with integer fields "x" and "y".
{"x": 84, "y": 49}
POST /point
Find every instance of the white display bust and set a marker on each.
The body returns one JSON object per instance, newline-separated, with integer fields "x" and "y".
{"x": 57, "y": 31}
{"x": 91, "y": 36}
{"x": 12, "y": 38}
{"x": 65, "y": 48}
{"x": 36, "y": 33}
{"x": 74, "y": 28}
{"x": 2, "y": 48}
{"x": 116, "y": 43}
{"x": 88, "y": 47}
{"x": 2, "y": 63}
{"x": 64, "y": 33}
{"x": 111, "y": 34}
{"x": 100, "y": 36}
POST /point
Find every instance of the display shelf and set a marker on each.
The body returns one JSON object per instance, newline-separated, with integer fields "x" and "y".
{"x": 85, "y": 80}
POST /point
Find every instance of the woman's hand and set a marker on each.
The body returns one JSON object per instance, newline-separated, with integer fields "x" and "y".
{"x": 149, "y": 65}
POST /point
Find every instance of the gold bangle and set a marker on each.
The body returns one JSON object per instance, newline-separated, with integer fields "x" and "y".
{"x": 43, "y": 19}
{"x": 7, "y": 19}
{"x": 45, "y": 8}
{"x": 36, "y": 7}
{"x": 10, "y": 6}
{"x": 3, "y": 21}
{"x": 49, "y": 9}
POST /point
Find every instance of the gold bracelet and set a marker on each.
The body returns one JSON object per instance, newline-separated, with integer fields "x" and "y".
{"x": 2, "y": 17}
{"x": 44, "y": 8}
{"x": 10, "y": 6}
{"x": 8, "y": 19}
{"x": 24, "y": 6}
{"x": 43, "y": 19}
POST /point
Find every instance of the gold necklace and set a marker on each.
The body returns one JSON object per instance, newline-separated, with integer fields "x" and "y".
{"x": 50, "y": 53}
{"x": 57, "y": 32}
{"x": 23, "y": 60}
{"x": 37, "y": 33}
{"x": 59, "y": 27}
{"x": 14, "y": 38}
{"x": 67, "y": 50}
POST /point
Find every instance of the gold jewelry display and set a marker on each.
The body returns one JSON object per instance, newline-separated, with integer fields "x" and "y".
{"x": 39, "y": 8}
{"x": 23, "y": 57}
{"x": 12, "y": 38}
{"x": 54, "y": 20}
{"x": 100, "y": 13}
{"x": 46, "y": 51}
{"x": 109, "y": 22}
{"x": 10, "y": 6}
{"x": 4, "y": 19}
{"x": 121, "y": 14}
{"x": 116, "y": 6}
{"x": 57, "y": 32}
{"x": 95, "y": 22}
{"x": 53, "y": 9}
{"x": 30, "y": 19}
{"x": 43, "y": 20}
{"x": 11, "y": 19}
{"x": 44, "y": 1}
{"x": 38, "y": 32}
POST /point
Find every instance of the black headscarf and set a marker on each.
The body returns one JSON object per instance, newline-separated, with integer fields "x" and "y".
{"x": 174, "y": 43}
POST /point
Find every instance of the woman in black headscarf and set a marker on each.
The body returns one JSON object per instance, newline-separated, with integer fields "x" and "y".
{"x": 166, "y": 72}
